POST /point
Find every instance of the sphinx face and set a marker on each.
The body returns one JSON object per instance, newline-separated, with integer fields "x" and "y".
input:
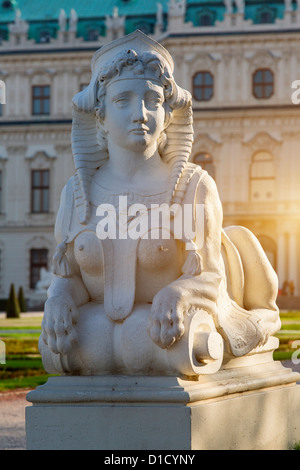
{"x": 134, "y": 113}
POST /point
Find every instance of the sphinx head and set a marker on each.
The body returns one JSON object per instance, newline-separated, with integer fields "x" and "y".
{"x": 132, "y": 97}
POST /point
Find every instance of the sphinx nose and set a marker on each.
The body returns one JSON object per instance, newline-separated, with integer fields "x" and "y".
{"x": 140, "y": 113}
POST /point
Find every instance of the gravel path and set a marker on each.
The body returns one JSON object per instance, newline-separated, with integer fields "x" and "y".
{"x": 12, "y": 416}
{"x": 12, "y": 420}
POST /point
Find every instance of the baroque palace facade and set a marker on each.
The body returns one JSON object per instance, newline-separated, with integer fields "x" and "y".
{"x": 238, "y": 58}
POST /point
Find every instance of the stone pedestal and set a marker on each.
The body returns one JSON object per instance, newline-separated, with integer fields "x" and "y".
{"x": 250, "y": 407}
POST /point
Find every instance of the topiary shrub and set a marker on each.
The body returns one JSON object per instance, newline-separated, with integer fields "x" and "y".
{"x": 12, "y": 307}
{"x": 22, "y": 300}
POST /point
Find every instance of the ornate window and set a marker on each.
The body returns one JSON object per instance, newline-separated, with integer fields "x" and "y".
{"x": 205, "y": 160}
{"x": 40, "y": 99}
{"x": 93, "y": 34}
{"x": 38, "y": 260}
{"x": 93, "y": 30}
{"x": 40, "y": 189}
{"x": 206, "y": 18}
{"x": 265, "y": 15}
{"x": 44, "y": 36}
{"x": 262, "y": 177}
{"x": 263, "y": 83}
{"x": 203, "y": 84}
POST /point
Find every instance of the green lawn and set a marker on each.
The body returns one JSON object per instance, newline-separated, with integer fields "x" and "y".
{"x": 23, "y": 322}
{"x": 24, "y": 368}
{"x": 289, "y": 332}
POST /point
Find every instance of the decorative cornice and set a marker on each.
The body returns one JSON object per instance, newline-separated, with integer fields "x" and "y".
{"x": 16, "y": 149}
{"x": 40, "y": 154}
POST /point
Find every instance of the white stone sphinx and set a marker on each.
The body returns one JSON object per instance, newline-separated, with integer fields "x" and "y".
{"x": 153, "y": 322}
{"x": 148, "y": 305}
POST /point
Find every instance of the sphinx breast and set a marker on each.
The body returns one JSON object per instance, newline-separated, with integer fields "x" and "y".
{"x": 159, "y": 263}
{"x": 158, "y": 254}
{"x": 154, "y": 263}
{"x": 88, "y": 253}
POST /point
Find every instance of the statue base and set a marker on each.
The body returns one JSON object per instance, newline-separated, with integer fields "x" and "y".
{"x": 250, "y": 407}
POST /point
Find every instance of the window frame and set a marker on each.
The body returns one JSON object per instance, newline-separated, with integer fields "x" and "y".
{"x": 93, "y": 34}
{"x": 261, "y": 156}
{"x": 41, "y": 188}
{"x": 205, "y": 13}
{"x": 45, "y": 36}
{"x": 42, "y": 100}
{"x": 263, "y": 84}
{"x": 203, "y": 87}
{"x": 39, "y": 265}
{"x": 261, "y": 15}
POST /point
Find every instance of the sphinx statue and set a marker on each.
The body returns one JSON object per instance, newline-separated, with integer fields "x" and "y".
{"x": 151, "y": 298}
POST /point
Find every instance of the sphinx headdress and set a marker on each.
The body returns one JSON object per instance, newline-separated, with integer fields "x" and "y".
{"x": 89, "y": 153}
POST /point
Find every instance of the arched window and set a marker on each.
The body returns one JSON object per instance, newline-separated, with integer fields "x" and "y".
{"x": 263, "y": 83}
{"x": 203, "y": 85}
{"x": 206, "y": 20}
{"x": 265, "y": 15}
{"x": 205, "y": 17}
{"x": 93, "y": 34}
{"x": 38, "y": 260}
{"x": 93, "y": 30}
{"x": 262, "y": 177}
{"x": 45, "y": 36}
{"x": 205, "y": 160}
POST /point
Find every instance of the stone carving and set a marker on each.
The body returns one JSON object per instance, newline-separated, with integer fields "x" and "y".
{"x": 115, "y": 25}
{"x": 229, "y": 6}
{"x": 177, "y": 7}
{"x": 288, "y": 5}
{"x": 73, "y": 21}
{"x": 18, "y": 31}
{"x": 62, "y": 20}
{"x": 132, "y": 293}
{"x": 240, "y": 4}
{"x": 159, "y": 18}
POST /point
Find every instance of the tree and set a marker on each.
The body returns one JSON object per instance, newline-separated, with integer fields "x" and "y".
{"x": 12, "y": 306}
{"x": 22, "y": 300}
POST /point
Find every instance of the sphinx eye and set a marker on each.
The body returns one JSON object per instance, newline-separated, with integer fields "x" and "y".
{"x": 122, "y": 101}
{"x": 155, "y": 101}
